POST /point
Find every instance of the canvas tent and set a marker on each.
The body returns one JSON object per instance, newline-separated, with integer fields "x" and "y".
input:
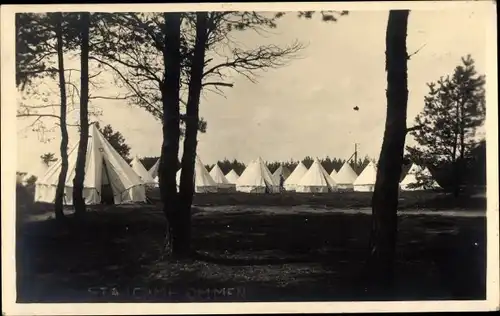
{"x": 316, "y": 180}
{"x": 257, "y": 179}
{"x": 410, "y": 181}
{"x": 333, "y": 174}
{"x": 281, "y": 172}
{"x": 365, "y": 182}
{"x": 203, "y": 182}
{"x": 108, "y": 177}
{"x": 154, "y": 171}
{"x": 294, "y": 178}
{"x": 346, "y": 177}
{"x": 41, "y": 170}
{"x": 139, "y": 169}
{"x": 232, "y": 177}
{"x": 222, "y": 183}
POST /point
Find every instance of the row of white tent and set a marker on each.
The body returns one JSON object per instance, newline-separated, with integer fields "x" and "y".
{"x": 257, "y": 178}
{"x": 107, "y": 171}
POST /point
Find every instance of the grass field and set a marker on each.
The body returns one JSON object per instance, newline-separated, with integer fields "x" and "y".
{"x": 251, "y": 248}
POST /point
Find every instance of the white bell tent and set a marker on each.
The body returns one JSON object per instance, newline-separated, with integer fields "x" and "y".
{"x": 222, "y": 183}
{"x": 257, "y": 179}
{"x": 108, "y": 177}
{"x": 316, "y": 180}
{"x": 153, "y": 172}
{"x": 203, "y": 182}
{"x": 294, "y": 178}
{"x": 281, "y": 172}
{"x": 346, "y": 177}
{"x": 410, "y": 181}
{"x": 333, "y": 174}
{"x": 365, "y": 182}
{"x": 232, "y": 177}
{"x": 42, "y": 169}
{"x": 138, "y": 167}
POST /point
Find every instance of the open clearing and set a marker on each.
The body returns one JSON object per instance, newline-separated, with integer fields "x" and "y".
{"x": 251, "y": 248}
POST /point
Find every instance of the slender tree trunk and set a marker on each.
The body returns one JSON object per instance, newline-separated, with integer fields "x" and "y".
{"x": 62, "y": 122}
{"x": 385, "y": 195}
{"x": 456, "y": 176}
{"x": 455, "y": 160}
{"x": 78, "y": 200}
{"x": 171, "y": 129}
{"x": 461, "y": 165}
{"x": 187, "y": 185}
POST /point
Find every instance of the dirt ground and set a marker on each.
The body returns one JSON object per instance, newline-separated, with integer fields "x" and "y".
{"x": 250, "y": 252}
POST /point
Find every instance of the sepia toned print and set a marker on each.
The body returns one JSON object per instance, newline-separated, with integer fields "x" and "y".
{"x": 267, "y": 156}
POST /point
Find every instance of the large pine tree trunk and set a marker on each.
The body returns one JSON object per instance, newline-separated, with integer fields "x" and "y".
{"x": 171, "y": 129}
{"x": 385, "y": 195}
{"x": 62, "y": 121}
{"x": 187, "y": 185}
{"x": 78, "y": 200}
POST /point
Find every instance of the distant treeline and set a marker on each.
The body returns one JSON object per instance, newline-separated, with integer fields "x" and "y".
{"x": 328, "y": 163}
{"x": 475, "y": 171}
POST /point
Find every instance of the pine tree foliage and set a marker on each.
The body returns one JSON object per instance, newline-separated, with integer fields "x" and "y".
{"x": 48, "y": 158}
{"x": 453, "y": 110}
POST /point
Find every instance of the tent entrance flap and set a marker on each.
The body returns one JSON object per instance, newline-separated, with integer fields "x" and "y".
{"x": 107, "y": 196}
{"x": 121, "y": 191}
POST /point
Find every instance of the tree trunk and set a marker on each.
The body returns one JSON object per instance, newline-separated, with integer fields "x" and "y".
{"x": 78, "y": 200}
{"x": 187, "y": 185}
{"x": 455, "y": 160}
{"x": 455, "y": 171}
{"x": 461, "y": 165}
{"x": 385, "y": 195}
{"x": 171, "y": 129}
{"x": 62, "y": 122}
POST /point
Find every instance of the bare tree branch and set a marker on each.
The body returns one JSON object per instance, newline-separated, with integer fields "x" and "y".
{"x": 109, "y": 98}
{"x": 39, "y": 106}
{"x": 155, "y": 109}
{"x": 75, "y": 88}
{"x": 225, "y": 84}
{"x": 414, "y": 128}
{"x": 246, "y": 62}
{"x": 37, "y": 115}
{"x": 95, "y": 75}
{"x": 134, "y": 49}
{"x": 416, "y": 52}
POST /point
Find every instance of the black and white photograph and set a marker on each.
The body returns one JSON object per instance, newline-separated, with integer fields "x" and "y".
{"x": 292, "y": 154}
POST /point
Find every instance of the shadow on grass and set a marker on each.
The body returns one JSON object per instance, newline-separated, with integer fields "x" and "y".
{"x": 243, "y": 257}
{"x": 408, "y": 200}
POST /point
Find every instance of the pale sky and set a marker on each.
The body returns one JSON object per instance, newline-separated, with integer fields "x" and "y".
{"x": 305, "y": 108}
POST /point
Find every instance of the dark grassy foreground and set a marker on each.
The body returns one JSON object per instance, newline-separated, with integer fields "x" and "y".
{"x": 242, "y": 256}
{"x": 408, "y": 200}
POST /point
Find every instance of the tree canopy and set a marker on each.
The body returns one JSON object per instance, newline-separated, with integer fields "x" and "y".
{"x": 453, "y": 111}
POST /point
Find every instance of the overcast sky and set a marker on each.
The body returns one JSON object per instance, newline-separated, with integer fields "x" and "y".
{"x": 305, "y": 108}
